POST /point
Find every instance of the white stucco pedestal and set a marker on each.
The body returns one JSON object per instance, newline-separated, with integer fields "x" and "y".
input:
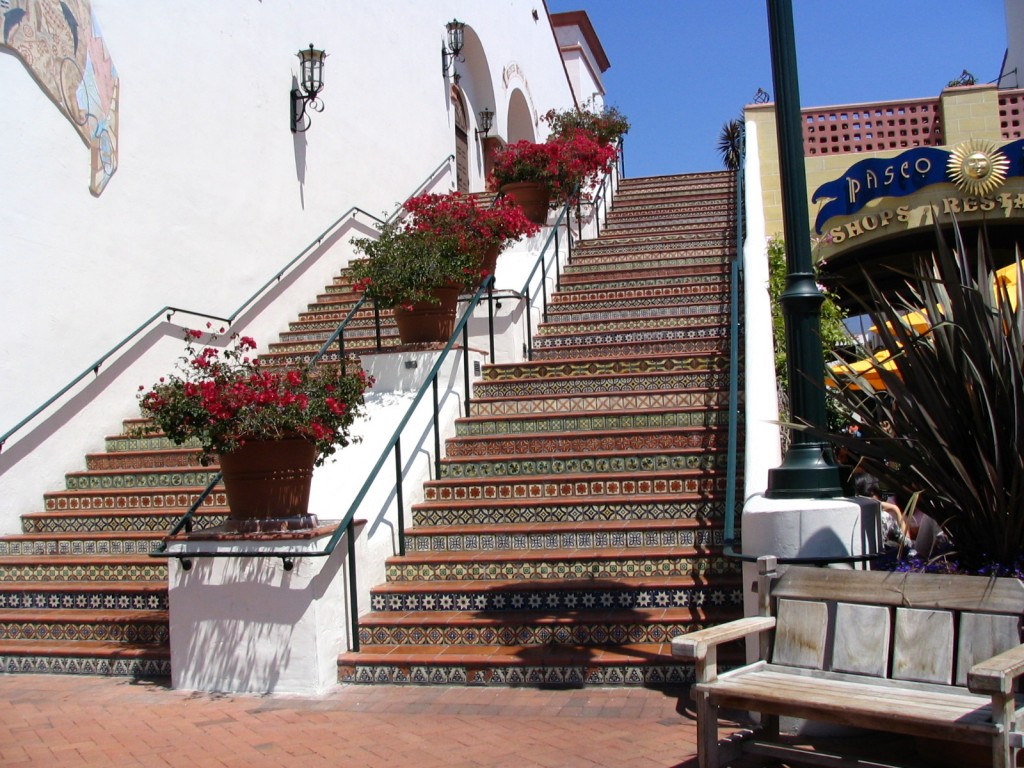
{"x": 248, "y": 625}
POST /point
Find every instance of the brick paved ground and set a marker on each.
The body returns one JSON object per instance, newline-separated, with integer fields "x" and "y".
{"x": 52, "y": 720}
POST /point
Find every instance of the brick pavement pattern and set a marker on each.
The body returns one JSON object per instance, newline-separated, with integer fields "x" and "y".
{"x": 53, "y": 720}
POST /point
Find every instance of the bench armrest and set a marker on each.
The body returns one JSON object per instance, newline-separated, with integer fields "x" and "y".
{"x": 695, "y": 645}
{"x": 997, "y": 675}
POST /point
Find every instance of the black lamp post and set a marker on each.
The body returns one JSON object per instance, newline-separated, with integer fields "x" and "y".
{"x": 807, "y": 471}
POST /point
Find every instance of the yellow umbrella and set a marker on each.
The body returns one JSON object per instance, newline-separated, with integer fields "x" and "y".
{"x": 916, "y": 320}
{"x": 1007, "y": 276}
{"x": 866, "y": 369}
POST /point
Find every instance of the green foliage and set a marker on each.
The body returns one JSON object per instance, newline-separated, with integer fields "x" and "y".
{"x": 404, "y": 266}
{"x": 955, "y": 403}
{"x": 607, "y": 124}
{"x": 833, "y": 329}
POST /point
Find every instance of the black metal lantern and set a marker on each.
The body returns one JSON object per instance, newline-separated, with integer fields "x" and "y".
{"x": 311, "y": 82}
{"x": 486, "y": 121}
{"x": 451, "y": 51}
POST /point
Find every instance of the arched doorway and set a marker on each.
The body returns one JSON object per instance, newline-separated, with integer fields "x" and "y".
{"x": 461, "y": 141}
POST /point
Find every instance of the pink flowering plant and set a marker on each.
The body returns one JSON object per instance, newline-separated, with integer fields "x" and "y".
{"x": 566, "y": 165}
{"x": 478, "y": 224}
{"x": 222, "y": 397}
{"x": 441, "y": 244}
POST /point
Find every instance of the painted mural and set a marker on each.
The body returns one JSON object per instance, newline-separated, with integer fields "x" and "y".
{"x": 60, "y": 44}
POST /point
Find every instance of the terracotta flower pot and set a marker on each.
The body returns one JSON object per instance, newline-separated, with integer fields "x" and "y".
{"x": 427, "y": 322}
{"x": 532, "y": 196}
{"x": 267, "y": 484}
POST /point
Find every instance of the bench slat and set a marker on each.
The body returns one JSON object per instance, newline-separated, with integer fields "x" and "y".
{"x": 861, "y": 644}
{"x": 923, "y": 646}
{"x": 983, "y": 636}
{"x": 800, "y": 634}
{"x": 964, "y": 717}
{"x": 915, "y": 590}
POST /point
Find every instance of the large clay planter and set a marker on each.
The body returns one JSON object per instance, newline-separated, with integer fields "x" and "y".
{"x": 532, "y": 196}
{"x": 427, "y": 322}
{"x": 267, "y": 484}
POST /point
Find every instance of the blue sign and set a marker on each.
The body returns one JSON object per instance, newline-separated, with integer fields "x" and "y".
{"x": 895, "y": 177}
{"x": 880, "y": 177}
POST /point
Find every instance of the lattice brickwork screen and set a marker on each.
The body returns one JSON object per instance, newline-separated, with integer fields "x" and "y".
{"x": 872, "y": 127}
{"x": 1011, "y": 114}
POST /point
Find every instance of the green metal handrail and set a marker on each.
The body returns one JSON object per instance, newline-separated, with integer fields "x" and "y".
{"x": 170, "y": 311}
{"x": 735, "y": 277}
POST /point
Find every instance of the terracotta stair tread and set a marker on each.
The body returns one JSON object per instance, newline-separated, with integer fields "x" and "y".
{"x": 73, "y": 615}
{"x": 517, "y": 655}
{"x": 83, "y": 648}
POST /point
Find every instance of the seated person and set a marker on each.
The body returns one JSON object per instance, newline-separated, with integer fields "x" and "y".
{"x": 895, "y": 538}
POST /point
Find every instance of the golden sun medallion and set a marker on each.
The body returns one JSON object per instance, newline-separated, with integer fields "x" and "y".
{"x": 977, "y": 167}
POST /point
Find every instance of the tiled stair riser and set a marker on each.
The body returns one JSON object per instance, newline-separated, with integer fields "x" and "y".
{"x": 573, "y": 596}
{"x": 674, "y": 563}
{"x": 136, "y": 520}
{"x": 513, "y": 512}
{"x": 552, "y": 467}
{"x": 615, "y": 630}
{"x": 489, "y": 674}
{"x": 96, "y": 480}
{"x": 70, "y": 597}
{"x": 155, "y": 632}
{"x": 68, "y": 569}
{"x": 116, "y": 499}
{"x": 576, "y": 422}
{"x": 80, "y": 545}
{"x": 484, "y": 407}
{"x": 673, "y": 484}
{"x": 677, "y": 536}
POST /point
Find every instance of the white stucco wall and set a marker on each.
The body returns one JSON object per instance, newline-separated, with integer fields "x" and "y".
{"x": 213, "y": 193}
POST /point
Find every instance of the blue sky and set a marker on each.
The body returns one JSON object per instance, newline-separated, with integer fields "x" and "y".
{"x": 680, "y": 69}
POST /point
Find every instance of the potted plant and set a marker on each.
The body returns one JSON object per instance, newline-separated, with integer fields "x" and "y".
{"x": 418, "y": 273}
{"x": 551, "y": 174}
{"x": 483, "y": 229}
{"x": 606, "y": 124}
{"x": 270, "y": 427}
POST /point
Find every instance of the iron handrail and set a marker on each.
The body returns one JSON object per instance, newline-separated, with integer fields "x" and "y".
{"x": 735, "y": 276}
{"x": 170, "y": 311}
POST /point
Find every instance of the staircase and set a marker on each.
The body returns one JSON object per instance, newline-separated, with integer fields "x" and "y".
{"x": 576, "y": 526}
{"x": 79, "y": 593}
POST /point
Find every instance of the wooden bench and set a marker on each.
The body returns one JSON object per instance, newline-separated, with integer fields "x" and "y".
{"x": 927, "y": 655}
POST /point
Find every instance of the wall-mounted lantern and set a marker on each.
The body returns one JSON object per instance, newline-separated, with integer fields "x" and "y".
{"x": 486, "y": 120}
{"x": 450, "y": 52}
{"x": 311, "y": 82}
